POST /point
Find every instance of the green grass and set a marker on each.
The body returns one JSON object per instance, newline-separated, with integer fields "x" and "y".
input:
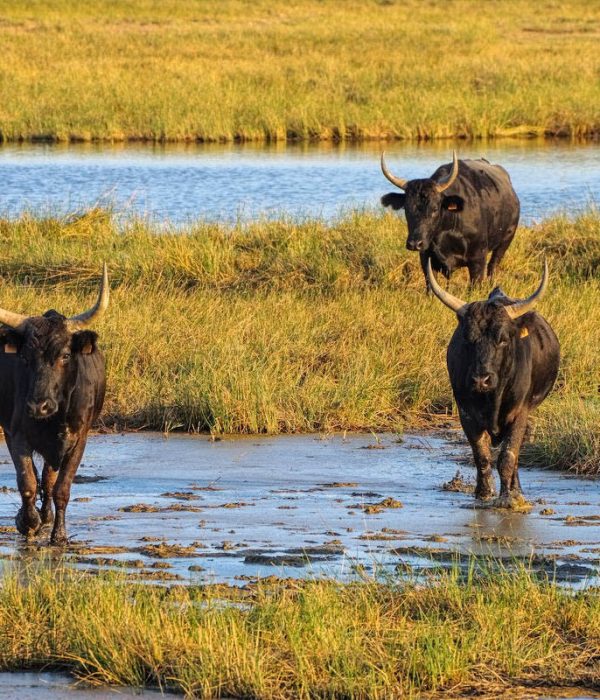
{"x": 273, "y": 70}
{"x": 293, "y": 327}
{"x": 491, "y": 634}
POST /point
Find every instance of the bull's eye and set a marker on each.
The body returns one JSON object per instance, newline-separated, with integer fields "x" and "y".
{"x": 66, "y": 357}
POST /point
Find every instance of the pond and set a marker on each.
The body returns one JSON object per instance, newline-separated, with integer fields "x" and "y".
{"x": 191, "y": 510}
{"x": 180, "y": 183}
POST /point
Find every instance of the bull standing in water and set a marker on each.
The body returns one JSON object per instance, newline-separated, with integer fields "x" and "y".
{"x": 464, "y": 211}
{"x": 52, "y": 380}
{"x": 502, "y": 360}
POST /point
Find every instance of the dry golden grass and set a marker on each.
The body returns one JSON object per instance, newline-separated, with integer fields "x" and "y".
{"x": 269, "y": 70}
{"x": 287, "y": 327}
{"x": 488, "y": 634}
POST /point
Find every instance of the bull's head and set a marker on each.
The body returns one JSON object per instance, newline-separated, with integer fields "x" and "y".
{"x": 424, "y": 202}
{"x": 49, "y": 346}
{"x": 489, "y": 330}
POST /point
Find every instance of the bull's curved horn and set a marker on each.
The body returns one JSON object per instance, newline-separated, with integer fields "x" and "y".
{"x": 398, "y": 181}
{"x": 457, "y": 305}
{"x": 522, "y": 306}
{"x": 80, "y": 321}
{"x": 9, "y": 318}
{"x": 441, "y": 186}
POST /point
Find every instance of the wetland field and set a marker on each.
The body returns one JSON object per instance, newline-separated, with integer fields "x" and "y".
{"x": 275, "y": 552}
{"x": 484, "y": 634}
{"x": 277, "y": 501}
{"x": 269, "y": 70}
{"x": 286, "y": 327}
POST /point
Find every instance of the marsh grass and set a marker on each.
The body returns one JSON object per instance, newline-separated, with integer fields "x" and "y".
{"x": 280, "y": 326}
{"x": 454, "y": 634}
{"x": 270, "y": 70}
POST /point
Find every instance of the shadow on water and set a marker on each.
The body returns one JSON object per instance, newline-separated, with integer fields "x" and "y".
{"x": 183, "y": 183}
{"x": 190, "y": 510}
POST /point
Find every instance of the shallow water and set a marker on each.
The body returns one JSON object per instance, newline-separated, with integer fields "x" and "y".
{"x": 31, "y": 685}
{"x": 298, "y": 506}
{"x": 182, "y": 183}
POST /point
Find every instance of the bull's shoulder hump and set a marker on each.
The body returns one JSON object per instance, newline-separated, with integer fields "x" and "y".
{"x": 481, "y": 175}
{"x": 483, "y": 165}
{"x": 478, "y": 172}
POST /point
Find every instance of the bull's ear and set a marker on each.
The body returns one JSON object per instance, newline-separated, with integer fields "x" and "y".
{"x": 453, "y": 203}
{"x": 394, "y": 200}
{"x": 84, "y": 342}
{"x": 10, "y": 342}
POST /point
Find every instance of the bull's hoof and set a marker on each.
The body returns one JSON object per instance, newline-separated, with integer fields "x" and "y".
{"x": 513, "y": 501}
{"x": 28, "y": 522}
{"x": 47, "y": 517}
{"x": 59, "y": 539}
{"x": 485, "y": 495}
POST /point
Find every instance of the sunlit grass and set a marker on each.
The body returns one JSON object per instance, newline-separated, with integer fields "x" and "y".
{"x": 290, "y": 327}
{"x": 456, "y": 634}
{"x": 269, "y": 70}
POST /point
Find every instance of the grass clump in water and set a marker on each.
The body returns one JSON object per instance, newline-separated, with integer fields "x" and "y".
{"x": 454, "y": 635}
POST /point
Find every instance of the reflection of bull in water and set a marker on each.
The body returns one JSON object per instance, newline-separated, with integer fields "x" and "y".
{"x": 465, "y": 210}
{"x": 502, "y": 360}
{"x": 52, "y": 379}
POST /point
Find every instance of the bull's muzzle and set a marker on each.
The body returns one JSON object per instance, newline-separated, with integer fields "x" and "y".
{"x": 42, "y": 409}
{"x": 415, "y": 244}
{"x": 484, "y": 382}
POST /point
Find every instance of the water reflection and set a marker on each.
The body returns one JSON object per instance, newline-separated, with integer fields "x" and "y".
{"x": 185, "y": 182}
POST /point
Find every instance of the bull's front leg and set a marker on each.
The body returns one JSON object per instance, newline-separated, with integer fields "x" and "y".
{"x": 511, "y": 495}
{"x": 476, "y": 269}
{"x": 62, "y": 490}
{"x": 27, "y": 520}
{"x": 482, "y": 455}
{"x": 49, "y": 476}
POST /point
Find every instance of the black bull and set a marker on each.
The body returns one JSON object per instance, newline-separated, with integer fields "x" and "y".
{"x": 464, "y": 211}
{"x": 52, "y": 380}
{"x": 502, "y": 361}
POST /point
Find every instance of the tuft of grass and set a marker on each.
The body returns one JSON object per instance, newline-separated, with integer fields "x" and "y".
{"x": 275, "y": 71}
{"x": 282, "y": 326}
{"x": 489, "y": 633}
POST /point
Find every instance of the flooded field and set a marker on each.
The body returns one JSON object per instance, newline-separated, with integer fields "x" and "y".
{"x": 183, "y": 183}
{"x": 190, "y": 510}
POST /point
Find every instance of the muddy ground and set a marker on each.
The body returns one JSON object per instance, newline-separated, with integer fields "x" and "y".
{"x": 191, "y": 510}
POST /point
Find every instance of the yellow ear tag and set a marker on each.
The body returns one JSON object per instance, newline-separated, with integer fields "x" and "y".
{"x": 10, "y": 349}
{"x": 524, "y": 332}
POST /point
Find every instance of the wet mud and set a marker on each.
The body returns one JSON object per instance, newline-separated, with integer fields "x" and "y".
{"x": 195, "y": 510}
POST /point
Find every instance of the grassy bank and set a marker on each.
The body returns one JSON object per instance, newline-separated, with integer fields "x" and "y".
{"x": 271, "y": 70}
{"x": 300, "y": 640}
{"x": 284, "y": 327}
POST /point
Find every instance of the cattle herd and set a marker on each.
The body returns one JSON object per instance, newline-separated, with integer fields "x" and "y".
{"x": 502, "y": 358}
